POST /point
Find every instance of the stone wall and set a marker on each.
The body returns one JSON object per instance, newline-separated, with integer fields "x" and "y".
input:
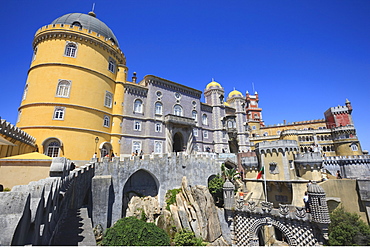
{"x": 31, "y": 214}
{"x": 166, "y": 170}
{"x": 356, "y": 166}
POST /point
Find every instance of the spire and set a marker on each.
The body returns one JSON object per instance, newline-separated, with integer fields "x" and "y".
{"x": 92, "y": 13}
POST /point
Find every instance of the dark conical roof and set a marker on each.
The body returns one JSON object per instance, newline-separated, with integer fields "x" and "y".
{"x": 88, "y": 21}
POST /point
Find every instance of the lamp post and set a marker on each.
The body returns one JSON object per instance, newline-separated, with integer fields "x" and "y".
{"x": 96, "y": 144}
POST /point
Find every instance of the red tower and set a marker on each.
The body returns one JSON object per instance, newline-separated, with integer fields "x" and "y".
{"x": 339, "y": 116}
{"x": 254, "y": 113}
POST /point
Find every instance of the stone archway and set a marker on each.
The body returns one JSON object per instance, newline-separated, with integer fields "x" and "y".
{"x": 141, "y": 183}
{"x": 178, "y": 142}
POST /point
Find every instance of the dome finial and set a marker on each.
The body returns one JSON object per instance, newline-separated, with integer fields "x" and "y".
{"x": 92, "y": 13}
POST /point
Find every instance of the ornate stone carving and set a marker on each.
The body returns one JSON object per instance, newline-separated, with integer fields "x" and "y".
{"x": 240, "y": 204}
{"x": 251, "y": 205}
{"x": 300, "y": 212}
{"x": 283, "y": 209}
{"x": 266, "y": 207}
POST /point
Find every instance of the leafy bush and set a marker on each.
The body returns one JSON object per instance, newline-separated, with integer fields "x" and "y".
{"x": 347, "y": 229}
{"x": 187, "y": 238}
{"x": 171, "y": 197}
{"x": 215, "y": 187}
{"x": 133, "y": 232}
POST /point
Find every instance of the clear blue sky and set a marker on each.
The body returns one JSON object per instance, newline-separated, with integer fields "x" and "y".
{"x": 302, "y": 56}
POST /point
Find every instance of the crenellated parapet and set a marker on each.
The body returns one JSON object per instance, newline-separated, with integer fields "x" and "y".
{"x": 53, "y": 31}
{"x": 33, "y": 213}
{"x": 15, "y": 133}
{"x": 277, "y": 146}
{"x": 250, "y": 163}
{"x": 309, "y": 160}
{"x": 354, "y": 166}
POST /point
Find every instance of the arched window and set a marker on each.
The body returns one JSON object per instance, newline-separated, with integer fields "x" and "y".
{"x": 204, "y": 119}
{"x": 77, "y": 24}
{"x": 177, "y": 110}
{"x": 63, "y": 88}
{"x": 70, "y": 50}
{"x": 354, "y": 147}
{"x": 52, "y": 149}
{"x": 194, "y": 115}
{"x": 106, "y": 121}
{"x": 108, "y": 99}
{"x": 157, "y": 147}
{"x": 138, "y": 106}
{"x": 25, "y": 92}
{"x": 59, "y": 113}
{"x": 158, "y": 108}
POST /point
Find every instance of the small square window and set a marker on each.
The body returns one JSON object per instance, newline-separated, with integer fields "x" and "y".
{"x": 59, "y": 113}
{"x": 137, "y": 125}
{"x": 205, "y": 134}
{"x": 195, "y": 132}
{"x": 158, "y": 127}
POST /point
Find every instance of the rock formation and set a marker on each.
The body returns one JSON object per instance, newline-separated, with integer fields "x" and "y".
{"x": 194, "y": 210}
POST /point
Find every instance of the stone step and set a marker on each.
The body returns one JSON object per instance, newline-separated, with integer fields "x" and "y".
{"x": 76, "y": 230}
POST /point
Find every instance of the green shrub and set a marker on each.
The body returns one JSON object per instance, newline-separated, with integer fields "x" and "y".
{"x": 133, "y": 232}
{"x": 171, "y": 197}
{"x": 187, "y": 238}
{"x": 215, "y": 187}
{"x": 7, "y": 189}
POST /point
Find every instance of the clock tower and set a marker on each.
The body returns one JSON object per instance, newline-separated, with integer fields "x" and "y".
{"x": 254, "y": 113}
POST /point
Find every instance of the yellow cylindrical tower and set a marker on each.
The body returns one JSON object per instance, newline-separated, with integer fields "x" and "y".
{"x": 70, "y": 90}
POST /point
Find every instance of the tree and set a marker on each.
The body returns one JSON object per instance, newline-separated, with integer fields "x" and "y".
{"x": 347, "y": 229}
{"x": 133, "y": 232}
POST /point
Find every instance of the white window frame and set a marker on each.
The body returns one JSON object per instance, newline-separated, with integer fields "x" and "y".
{"x": 63, "y": 88}
{"x": 34, "y": 54}
{"x": 158, "y": 147}
{"x": 177, "y": 110}
{"x": 204, "y": 119}
{"x": 52, "y": 150}
{"x": 19, "y": 116}
{"x": 112, "y": 65}
{"x": 205, "y": 134}
{"x": 253, "y": 127}
{"x": 59, "y": 113}
{"x": 195, "y": 132}
{"x": 194, "y": 115}
{"x": 137, "y": 125}
{"x": 108, "y": 99}
{"x": 69, "y": 51}
{"x": 158, "y": 108}
{"x": 138, "y": 106}
{"x": 136, "y": 145}
{"x": 25, "y": 92}
{"x": 354, "y": 147}
{"x": 106, "y": 121}
{"x": 158, "y": 127}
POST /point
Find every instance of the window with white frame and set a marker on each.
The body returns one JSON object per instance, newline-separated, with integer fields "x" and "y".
{"x": 278, "y": 132}
{"x": 195, "y": 132}
{"x": 158, "y": 108}
{"x": 106, "y": 121}
{"x": 158, "y": 147}
{"x": 34, "y": 54}
{"x": 63, "y": 88}
{"x": 108, "y": 99}
{"x": 136, "y": 146}
{"x": 19, "y": 116}
{"x": 194, "y": 115}
{"x": 138, "y": 106}
{"x": 177, "y": 110}
{"x": 59, "y": 113}
{"x": 205, "y": 134}
{"x": 205, "y": 119}
{"x": 112, "y": 65}
{"x": 70, "y": 49}
{"x": 25, "y": 92}
{"x": 137, "y": 125}
{"x": 354, "y": 147}
{"x": 158, "y": 127}
{"x": 52, "y": 148}
{"x": 253, "y": 127}
{"x": 223, "y": 134}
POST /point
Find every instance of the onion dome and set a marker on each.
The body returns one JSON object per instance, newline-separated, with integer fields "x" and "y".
{"x": 88, "y": 21}
{"x": 213, "y": 84}
{"x": 235, "y": 93}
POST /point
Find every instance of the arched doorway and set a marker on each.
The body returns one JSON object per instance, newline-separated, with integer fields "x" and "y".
{"x": 141, "y": 183}
{"x": 105, "y": 149}
{"x": 178, "y": 142}
{"x": 52, "y": 147}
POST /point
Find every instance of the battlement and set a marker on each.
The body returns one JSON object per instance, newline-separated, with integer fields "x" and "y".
{"x": 338, "y": 110}
{"x": 308, "y": 158}
{"x": 250, "y": 163}
{"x": 60, "y": 28}
{"x": 279, "y": 145}
{"x": 14, "y": 132}
{"x": 295, "y": 123}
{"x": 353, "y": 166}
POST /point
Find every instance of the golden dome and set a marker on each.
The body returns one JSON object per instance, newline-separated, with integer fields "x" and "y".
{"x": 235, "y": 93}
{"x": 213, "y": 84}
